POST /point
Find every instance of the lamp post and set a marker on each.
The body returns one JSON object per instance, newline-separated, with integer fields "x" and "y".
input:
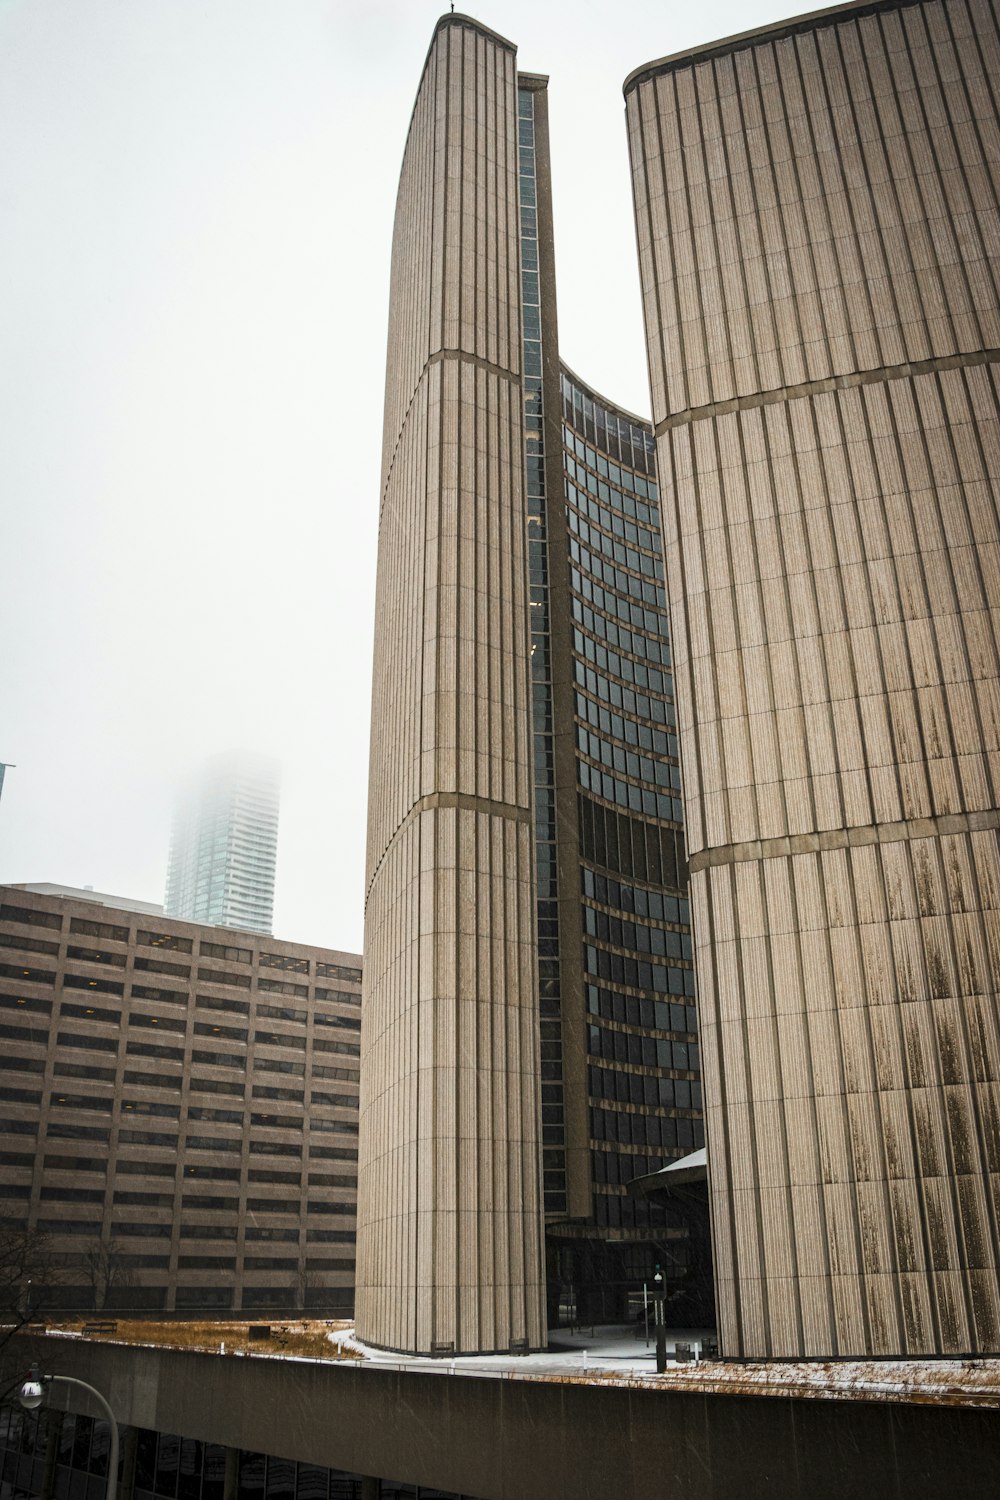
{"x": 32, "y": 1394}
{"x": 660, "y": 1320}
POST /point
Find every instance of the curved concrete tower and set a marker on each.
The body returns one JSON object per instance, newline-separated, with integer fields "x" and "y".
{"x": 449, "y": 1210}
{"x": 816, "y": 207}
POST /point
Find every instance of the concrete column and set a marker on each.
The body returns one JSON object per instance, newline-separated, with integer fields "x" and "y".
{"x": 231, "y": 1483}
{"x": 54, "y": 1421}
{"x": 130, "y": 1447}
{"x": 449, "y": 1182}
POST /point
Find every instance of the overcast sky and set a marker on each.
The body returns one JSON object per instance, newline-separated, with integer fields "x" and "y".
{"x": 196, "y": 202}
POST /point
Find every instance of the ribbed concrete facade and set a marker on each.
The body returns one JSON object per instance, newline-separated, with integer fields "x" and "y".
{"x": 450, "y": 1226}
{"x": 817, "y": 222}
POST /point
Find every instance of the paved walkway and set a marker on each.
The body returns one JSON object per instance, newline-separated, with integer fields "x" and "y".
{"x": 623, "y": 1351}
{"x": 617, "y": 1356}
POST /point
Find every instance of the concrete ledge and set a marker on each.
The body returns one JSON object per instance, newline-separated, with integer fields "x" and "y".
{"x": 515, "y": 1439}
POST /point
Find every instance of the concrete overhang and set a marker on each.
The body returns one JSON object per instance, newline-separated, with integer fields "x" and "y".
{"x": 682, "y": 1173}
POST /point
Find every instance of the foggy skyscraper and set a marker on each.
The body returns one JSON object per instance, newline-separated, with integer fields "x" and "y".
{"x": 224, "y": 844}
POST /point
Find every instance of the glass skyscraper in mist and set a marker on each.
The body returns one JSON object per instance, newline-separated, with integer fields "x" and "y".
{"x": 224, "y": 844}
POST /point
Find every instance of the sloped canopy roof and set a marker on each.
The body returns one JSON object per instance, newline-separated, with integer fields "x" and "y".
{"x": 687, "y": 1169}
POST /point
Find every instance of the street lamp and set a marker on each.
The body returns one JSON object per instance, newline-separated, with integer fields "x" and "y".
{"x": 659, "y": 1318}
{"x": 32, "y": 1394}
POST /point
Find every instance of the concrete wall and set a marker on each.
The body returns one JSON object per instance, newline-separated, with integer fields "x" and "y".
{"x": 449, "y": 1243}
{"x": 816, "y": 208}
{"x": 540, "y": 1440}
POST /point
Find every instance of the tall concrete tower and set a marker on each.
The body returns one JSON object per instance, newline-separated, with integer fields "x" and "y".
{"x": 816, "y": 207}
{"x": 530, "y": 1041}
{"x": 450, "y": 1215}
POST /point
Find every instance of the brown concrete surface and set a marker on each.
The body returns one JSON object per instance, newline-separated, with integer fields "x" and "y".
{"x": 816, "y": 215}
{"x": 449, "y": 1196}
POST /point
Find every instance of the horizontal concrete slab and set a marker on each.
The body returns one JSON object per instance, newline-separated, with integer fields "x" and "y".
{"x": 514, "y": 1439}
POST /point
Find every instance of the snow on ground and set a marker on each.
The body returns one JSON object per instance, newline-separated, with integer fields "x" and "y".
{"x": 615, "y": 1356}
{"x": 610, "y": 1355}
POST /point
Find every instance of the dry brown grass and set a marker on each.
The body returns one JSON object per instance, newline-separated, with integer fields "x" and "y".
{"x": 307, "y": 1337}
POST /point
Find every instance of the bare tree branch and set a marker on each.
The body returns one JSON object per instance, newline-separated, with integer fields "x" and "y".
{"x": 107, "y": 1266}
{"x": 28, "y": 1267}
